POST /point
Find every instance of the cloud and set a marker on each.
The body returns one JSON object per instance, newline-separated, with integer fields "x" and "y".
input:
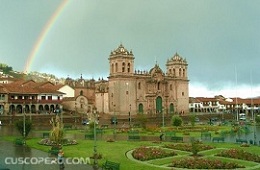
{"x": 243, "y": 91}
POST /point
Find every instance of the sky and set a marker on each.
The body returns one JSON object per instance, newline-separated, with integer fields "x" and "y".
{"x": 220, "y": 39}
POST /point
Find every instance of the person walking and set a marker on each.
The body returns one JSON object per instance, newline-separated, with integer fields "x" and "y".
{"x": 61, "y": 159}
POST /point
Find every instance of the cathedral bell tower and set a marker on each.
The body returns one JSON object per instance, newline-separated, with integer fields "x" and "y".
{"x": 177, "y": 67}
{"x": 177, "y": 75}
{"x": 121, "y": 81}
{"x": 121, "y": 62}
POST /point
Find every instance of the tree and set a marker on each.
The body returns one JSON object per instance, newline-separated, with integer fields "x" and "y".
{"x": 56, "y": 134}
{"x": 192, "y": 120}
{"x": 176, "y": 121}
{"x": 194, "y": 148}
{"x": 20, "y": 126}
{"x": 257, "y": 119}
{"x": 142, "y": 119}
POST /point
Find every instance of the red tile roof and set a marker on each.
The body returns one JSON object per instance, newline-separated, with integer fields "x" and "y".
{"x": 29, "y": 87}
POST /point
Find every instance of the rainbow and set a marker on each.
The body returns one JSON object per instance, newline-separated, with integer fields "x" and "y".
{"x": 44, "y": 33}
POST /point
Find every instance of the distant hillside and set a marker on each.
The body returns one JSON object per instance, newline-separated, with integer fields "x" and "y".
{"x": 36, "y": 76}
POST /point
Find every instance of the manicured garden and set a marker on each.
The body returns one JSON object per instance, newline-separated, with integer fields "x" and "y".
{"x": 155, "y": 153}
{"x": 201, "y": 156}
{"x": 161, "y": 155}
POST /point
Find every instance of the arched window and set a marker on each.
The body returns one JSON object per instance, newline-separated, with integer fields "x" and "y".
{"x": 81, "y": 92}
{"x": 159, "y": 104}
{"x": 139, "y": 85}
{"x": 128, "y": 67}
{"x": 140, "y": 108}
{"x": 170, "y": 71}
{"x": 174, "y": 73}
{"x": 170, "y": 86}
{"x": 158, "y": 86}
{"x": 112, "y": 69}
{"x": 116, "y": 68}
{"x": 183, "y": 72}
{"x": 123, "y": 67}
{"x": 171, "y": 108}
{"x": 180, "y": 72}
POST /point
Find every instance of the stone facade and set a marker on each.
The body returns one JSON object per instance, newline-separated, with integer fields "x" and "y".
{"x": 148, "y": 92}
{"x": 132, "y": 91}
{"x": 83, "y": 101}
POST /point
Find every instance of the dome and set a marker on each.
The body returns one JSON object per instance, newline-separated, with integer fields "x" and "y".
{"x": 156, "y": 69}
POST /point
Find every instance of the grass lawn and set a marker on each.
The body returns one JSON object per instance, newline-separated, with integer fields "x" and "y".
{"x": 116, "y": 151}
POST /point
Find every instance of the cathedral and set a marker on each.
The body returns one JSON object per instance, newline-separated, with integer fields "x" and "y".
{"x": 147, "y": 92}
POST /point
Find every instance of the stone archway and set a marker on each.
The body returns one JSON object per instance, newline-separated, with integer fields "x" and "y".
{"x": 40, "y": 109}
{"x": 33, "y": 109}
{"x": 171, "y": 108}
{"x": 11, "y": 109}
{"x": 159, "y": 104}
{"x": 46, "y": 108}
{"x": 140, "y": 108}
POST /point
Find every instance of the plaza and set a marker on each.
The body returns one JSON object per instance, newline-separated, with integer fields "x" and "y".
{"x": 119, "y": 147}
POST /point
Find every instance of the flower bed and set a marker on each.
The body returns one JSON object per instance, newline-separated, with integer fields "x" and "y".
{"x": 148, "y": 153}
{"x": 188, "y": 147}
{"x": 191, "y": 163}
{"x": 239, "y": 154}
{"x": 48, "y": 142}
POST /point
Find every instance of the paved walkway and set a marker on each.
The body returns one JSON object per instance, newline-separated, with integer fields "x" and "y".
{"x": 11, "y": 153}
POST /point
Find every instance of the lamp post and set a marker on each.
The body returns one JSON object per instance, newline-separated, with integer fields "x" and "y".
{"x": 30, "y": 112}
{"x": 10, "y": 113}
{"x": 61, "y": 116}
{"x": 74, "y": 115}
{"x": 130, "y": 116}
{"x": 254, "y": 128}
{"x": 114, "y": 121}
{"x": 163, "y": 117}
{"x": 95, "y": 165}
{"x": 24, "y": 133}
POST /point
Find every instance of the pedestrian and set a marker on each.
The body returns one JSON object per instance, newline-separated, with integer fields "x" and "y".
{"x": 161, "y": 136}
{"x": 61, "y": 159}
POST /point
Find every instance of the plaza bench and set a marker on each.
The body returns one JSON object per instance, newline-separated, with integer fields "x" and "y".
{"x": 45, "y": 135}
{"x": 136, "y": 125}
{"x": 218, "y": 139}
{"x": 104, "y": 126}
{"x": 177, "y": 138}
{"x": 133, "y": 135}
{"x": 99, "y": 131}
{"x": 241, "y": 141}
{"x": 19, "y": 141}
{"x": 205, "y": 136}
{"x": 89, "y": 136}
{"x": 109, "y": 165}
{"x": 67, "y": 126}
{"x": 54, "y": 150}
{"x": 170, "y": 133}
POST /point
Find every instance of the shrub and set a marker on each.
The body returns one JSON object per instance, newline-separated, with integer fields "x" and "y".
{"x": 20, "y": 126}
{"x": 176, "y": 121}
{"x": 192, "y": 120}
{"x": 257, "y": 119}
{"x": 142, "y": 119}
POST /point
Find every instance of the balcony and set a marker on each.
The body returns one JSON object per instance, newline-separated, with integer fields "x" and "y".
{"x": 33, "y": 101}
